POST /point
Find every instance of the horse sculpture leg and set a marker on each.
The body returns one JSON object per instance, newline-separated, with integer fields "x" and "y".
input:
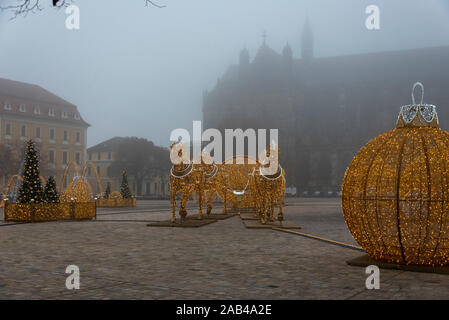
{"x": 173, "y": 205}
{"x": 200, "y": 203}
{"x": 272, "y": 203}
{"x": 281, "y": 197}
{"x": 263, "y": 211}
{"x": 210, "y": 199}
{"x": 280, "y": 214}
{"x": 225, "y": 209}
{"x": 182, "y": 209}
{"x": 256, "y": 206}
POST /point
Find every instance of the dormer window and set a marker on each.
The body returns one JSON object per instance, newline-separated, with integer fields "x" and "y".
{"x": 22, "y": 107}
{"x": 37, "y": 110}
{"x": 77, "y": 116}
{"x": 7, "y": 106}
{"x": 64, "y": 114}
{"x": 51, "y": 112}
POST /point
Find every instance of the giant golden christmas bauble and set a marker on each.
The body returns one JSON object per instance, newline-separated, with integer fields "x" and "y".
{"x": 395, "y": 193}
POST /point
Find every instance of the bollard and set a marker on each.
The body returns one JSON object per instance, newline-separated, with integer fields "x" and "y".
{"x": 5, "y": 208}
{"x": 72, "y": 209}
{"x": 32, "y": 210}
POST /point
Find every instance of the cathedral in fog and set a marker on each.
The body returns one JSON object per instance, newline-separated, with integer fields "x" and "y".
{"x": 325, "y": 108}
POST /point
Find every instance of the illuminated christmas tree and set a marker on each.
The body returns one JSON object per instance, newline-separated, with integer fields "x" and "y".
{"x": 31, "y": 188}
{"x": 124, "y": 187}
{"x": 50, "y": 192}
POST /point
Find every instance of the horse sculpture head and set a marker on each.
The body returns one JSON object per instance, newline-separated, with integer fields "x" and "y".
{"x": 269, "y": 159}
{"x": 179, "y": 156}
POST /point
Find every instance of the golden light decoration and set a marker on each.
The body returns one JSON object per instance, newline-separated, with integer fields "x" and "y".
{"x": 78, "y": 191}
{"x": 213, "y": 182}
{"x": 240, "y": 181}
{"x": 395, "y": 193}
{"x": 116, "y": 199}
{"x": 269, "y": 185}
{"x": 185, "y": 178}
{"x": 49, "y": 211}
{"x": 238, "y": 173}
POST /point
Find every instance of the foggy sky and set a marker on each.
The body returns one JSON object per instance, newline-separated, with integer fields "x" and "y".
{"x": 140, "y": 71}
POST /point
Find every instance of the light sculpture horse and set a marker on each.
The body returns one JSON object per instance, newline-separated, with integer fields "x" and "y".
{"x": 213, "y": 181}
{"x": 186, "y": 178}
{"x": 269, "y": 181}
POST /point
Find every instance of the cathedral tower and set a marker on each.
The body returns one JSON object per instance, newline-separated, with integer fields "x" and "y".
{"x": 307, "y": 41}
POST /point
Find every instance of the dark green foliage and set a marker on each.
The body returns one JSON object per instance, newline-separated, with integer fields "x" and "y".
{"x": 31, "y": 187}
{"x": 142, "y": 160}
{"x": 50, "y": 192}
{"x": 124, "y": 187}
{"x": 107, "y": 192}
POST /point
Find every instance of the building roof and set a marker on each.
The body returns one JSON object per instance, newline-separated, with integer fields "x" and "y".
{"x": 30, "y": 92}
{"x": 40, "y": 98}
{"x": 108, "y": 145}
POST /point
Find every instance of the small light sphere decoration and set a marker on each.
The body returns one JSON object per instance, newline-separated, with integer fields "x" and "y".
{"x": 78, "y": 190}
{"x": 395, "y": 192}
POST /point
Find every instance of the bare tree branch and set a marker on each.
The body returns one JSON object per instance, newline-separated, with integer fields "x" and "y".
{"x": 24, "y": 7}
{"x": 153, "y": 4}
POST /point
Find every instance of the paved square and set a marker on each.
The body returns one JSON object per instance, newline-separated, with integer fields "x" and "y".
{"x": 121, "y": 258}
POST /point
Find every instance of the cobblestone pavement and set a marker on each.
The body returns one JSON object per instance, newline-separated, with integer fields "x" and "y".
{"x": 121, "y": 258}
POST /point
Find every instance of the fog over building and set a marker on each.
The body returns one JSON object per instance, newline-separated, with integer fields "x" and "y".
{"x": 325, "y": 108}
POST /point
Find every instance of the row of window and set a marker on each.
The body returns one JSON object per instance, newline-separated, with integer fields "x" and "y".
{"x": 23, "y": 133}
{"x": 37, "y": 110}
{"x": 65, "y": 157}
{"x": 99, "y": 156}
{"x": 89, "y": 171}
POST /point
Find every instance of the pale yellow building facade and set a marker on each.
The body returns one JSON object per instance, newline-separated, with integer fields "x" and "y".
{"x": 28, "y": 111}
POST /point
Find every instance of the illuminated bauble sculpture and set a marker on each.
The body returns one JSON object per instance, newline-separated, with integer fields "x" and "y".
{"x": 395, "y": 193}
{"x": 77, "y": 191}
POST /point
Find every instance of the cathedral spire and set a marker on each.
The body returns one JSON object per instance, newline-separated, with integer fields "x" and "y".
{"x": 307, "y": 41}
{"x": 244, "y": 57}
{"x": 287, "y": 56}
{"x": 244, "y": 62}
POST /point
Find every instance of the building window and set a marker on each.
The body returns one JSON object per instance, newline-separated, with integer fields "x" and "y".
{"x": 90, "y": 156}
{"x": 78, "y": 158}
{"x": 89, "y": 171}
{"x": 51, "y": 112}
{"x": 99, "y": 155}
{"x": 64, "y": 114}
{"x": 37, "y": 110}
{"x": 77, "y": 116}
{"x": 51, "y": 156}
{"x": 38, "y": 133}
{"x": 7, "y": 106}
{"x": 8, "y": 129}
{"x": 64, "y": 157}
{"x": 23, "y": 131}
{"x": 98, "y": 171}
{"x": 22, "y": 108}
{"x": 78, "y": 137}
{"x": 109, "y": 155}
{"x": 52, "y": 134}
{"x": 65, "y": 135}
